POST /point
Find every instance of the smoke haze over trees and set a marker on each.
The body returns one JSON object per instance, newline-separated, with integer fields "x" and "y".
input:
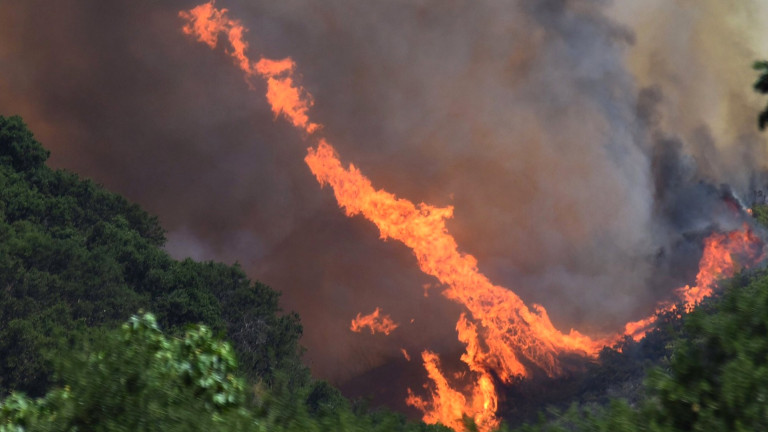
{"x": 584, "y": 145}
{"x": 75, "y": 258}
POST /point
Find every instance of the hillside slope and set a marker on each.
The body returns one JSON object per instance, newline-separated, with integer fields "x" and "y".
{"x": 77, "y": 263}
{"x": 710, "y": 373}
{"x": 74, "y": 255}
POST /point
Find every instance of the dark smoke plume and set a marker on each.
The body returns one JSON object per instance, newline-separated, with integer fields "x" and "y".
{"x": 588, "y": 148}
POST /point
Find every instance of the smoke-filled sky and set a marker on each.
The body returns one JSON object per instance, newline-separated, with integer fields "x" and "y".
{"x": 586, "y": 146}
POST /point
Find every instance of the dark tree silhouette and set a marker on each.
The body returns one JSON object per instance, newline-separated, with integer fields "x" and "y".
{"x": 761, "y": 86}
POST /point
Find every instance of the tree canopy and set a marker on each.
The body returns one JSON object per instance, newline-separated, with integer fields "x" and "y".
{"x": 74, "y": 255}
{"x": 77, "y": 262}
{"x": 217, "y": 353}
{"x": 761, "y": 86}
{"x": 138, "y": 378}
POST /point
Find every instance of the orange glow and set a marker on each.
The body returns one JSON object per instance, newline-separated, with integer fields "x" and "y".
{"x": 504, "y": 337}
{"x": 375, "y": 321}
{"x": 638, "y": 329}
{"x": 484, "y": 398}
{"x": 285, "y": 97}
{"x": 405, "y": 354}
{"x": 508, "y": 328}
{"x": 724, "y": 255}
{"x": 447, "y": 406}
{"x": 205, "y": 22}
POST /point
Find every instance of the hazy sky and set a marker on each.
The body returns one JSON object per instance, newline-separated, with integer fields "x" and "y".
{"x": 584, "y": 144}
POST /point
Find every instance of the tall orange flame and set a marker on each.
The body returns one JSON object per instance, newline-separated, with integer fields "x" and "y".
{"x": 205, "y": 22}
{"x": 503, "y": 331}
{"x": 450, "y": 406}
{"x": 375, "y": 321}
{"x": 447, "y": 406}
{"x": 724, "y": 255}
{"x": 511, "y": 329}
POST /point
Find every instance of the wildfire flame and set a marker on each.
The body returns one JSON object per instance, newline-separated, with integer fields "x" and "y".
{"x": 503, "y": 333}
{"x": 405, "y": 354}
{"x": 205, "y": 22}
{"x": 450, "y": 406}
{"x": 374, "y": 321}
{"x": 511, "y": 328}
{"x": 724, "y": 255}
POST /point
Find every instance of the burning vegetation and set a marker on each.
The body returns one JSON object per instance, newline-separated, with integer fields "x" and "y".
{"x": 375, "y": 321}
{"x": 724, "y": 255}
{"x": 505, "y": 339}
{"x": 575, "y": 179}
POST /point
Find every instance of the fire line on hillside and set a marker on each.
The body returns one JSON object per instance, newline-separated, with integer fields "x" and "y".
{"x": 504, "y": 337}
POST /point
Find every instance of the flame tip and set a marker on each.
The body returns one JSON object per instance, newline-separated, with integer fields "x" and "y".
{"x": 502, "y": 331}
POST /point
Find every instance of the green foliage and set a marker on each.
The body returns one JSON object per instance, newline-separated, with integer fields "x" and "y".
{"x": 197, "y": 359}
{"x": 75, "y": 256}
{"x": 760, "y": 213}
{"x": 76, "y": 261}
{"x": 17, "y": 147}
{"x": 618, "y": 372}
{"x": 136, "y": 378}
{"x": 712, "y": 372}
{"x": 18, "y": 413}
{"x": 761, "y": 86}
{"x": 618, "y": 416}
{"x": 717, "y": 379}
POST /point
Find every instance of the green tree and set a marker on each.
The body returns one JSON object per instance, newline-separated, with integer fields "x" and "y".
{"x": 760, "y": 213}
{"x": 717, "y": 379}
{"x": 18, "y": 148}
{"x": 137, "y": 378}
{"x": 74, "y": 255}
{"x": 761, "y": 86}
{"x": 77, "y": 260}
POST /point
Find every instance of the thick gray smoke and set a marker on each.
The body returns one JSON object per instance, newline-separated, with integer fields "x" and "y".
{"x": 588, "y": 148}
